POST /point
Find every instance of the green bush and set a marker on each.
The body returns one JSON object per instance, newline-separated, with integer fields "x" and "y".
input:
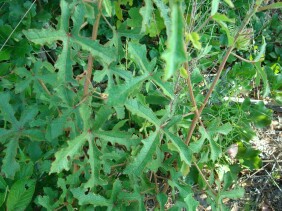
{"x": 108, "y": 104}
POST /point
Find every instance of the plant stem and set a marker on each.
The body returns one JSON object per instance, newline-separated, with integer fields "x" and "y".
{"x": 90, "y": 63}
{"x": 90, "y": 57}
{"x": 221, "y": 66}
{"x": 204, "y": 178}
{"x": 241, "y": 58}
{"x": 190, "y": 89}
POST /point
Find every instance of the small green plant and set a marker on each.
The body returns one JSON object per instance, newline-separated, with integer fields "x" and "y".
{"x": 106, "y": 104}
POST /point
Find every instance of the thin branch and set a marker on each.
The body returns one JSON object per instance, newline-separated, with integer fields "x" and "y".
{"x": 156, "y": 183}
{"x": 204, "y": 178}
{"x": 204, "y": 24}
{"x": 12, "y": 32}
{"x": 241, "y": 58}
{"x": 190, "y": 89}
{"x": 44, "y": 87}
{"x": 221, "y": 67}
{"x": 90, "y": 57}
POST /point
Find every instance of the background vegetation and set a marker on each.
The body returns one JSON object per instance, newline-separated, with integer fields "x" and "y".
{"x": 110, "y": 104}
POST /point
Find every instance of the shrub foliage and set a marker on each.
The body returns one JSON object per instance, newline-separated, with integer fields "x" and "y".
{"x": 110, "y": 104}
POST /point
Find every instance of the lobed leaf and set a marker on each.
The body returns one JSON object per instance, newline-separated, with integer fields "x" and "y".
{"x": 117, "y": 137}
{"x": 89, "y": 198}
{"x": 164, "y": 11}
{"x": 184, "y": 152}
{"x": 144, "y": 156}
{"x": 143, "y": 111}
{"x": 118, "y": 94}
{"x": 175, "y": 55}
{"x": 44, "y": 36}
{"x": 65, "y": 155}
{"x": 146, "y": 13}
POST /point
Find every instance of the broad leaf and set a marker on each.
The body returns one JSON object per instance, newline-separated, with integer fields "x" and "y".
{"x": 10, "y": 165}
{"x": 20, "y": 194}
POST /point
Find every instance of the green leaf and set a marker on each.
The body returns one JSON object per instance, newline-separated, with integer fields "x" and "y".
{"x": 65, "y": 15}
{"x": 164, "y": 11}
{"x": 120, "y": 111}
{"x": 85, "y": 198}
{"x": 230, "y": 3}
{"x": 107, "y": 4}
{"x": 232, "y": 194}
{"x": 20, "y": 194}
{"x": 162, "y": 199}
{"x": 94, "y": 162}
{"x": 197, "y": 145}
{"x": 221, "y": 17}
{"x": 191, "y": 203}
{"x": 262, "y": 75}
{"x": 102, "y": 116}
{"x": 85, "y": 111}
{"x": 260, "y": 115}
{"x": 196, "y": 76}
{"x": 194, "y": 37}
{"x": 3, "y": 190}
{"x": 165, "y": 86}
{"x": 78, "y": 18}
{"x": 184, "y": 152}
{"x": 226, "y": 30}
{"x": 7, "y": 110}
{"x": 105, "y": 55}
{"x": 65, "y": 155}
{"x": 143, "y": 111}
{"x": 276, "y": 5}
{"x": 215, "y": 150}
{"x": 10, "y": 165}
{"x": 175, "y": 54}
{"x": 118, "y": 11}
{"x": 118, "y": 94}
{"x": 214, "y": 7}
{"x": 262, "y": 50}
{"x": 144, "y": 156}
{"x": 28, "y": 115}
{"x": 117, "y": 137}
{"x": 146, "y": 13}
{"x": 223, "y": 129}
{"x": 44, "y": 36}
{"x": 138, "y": 54}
